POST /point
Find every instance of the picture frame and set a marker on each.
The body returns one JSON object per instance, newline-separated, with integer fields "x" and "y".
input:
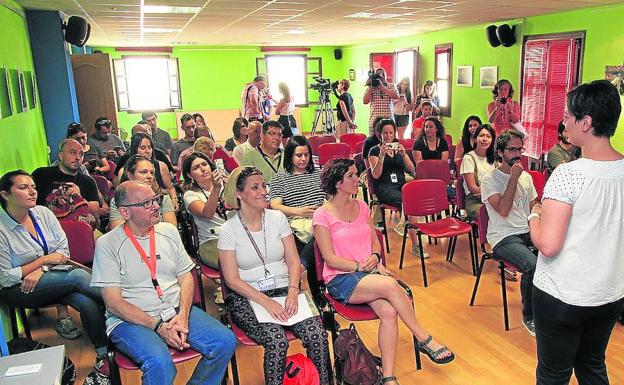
{"x": 6, "y": 102}
{"x": 464, "y": 76}
{"x": 22, "y": 91}
{"x": 352, "y": 74}
{"x": 488, "y": 76}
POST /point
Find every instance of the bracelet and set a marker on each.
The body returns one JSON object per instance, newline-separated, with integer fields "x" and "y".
{"x": 158, "y": 325}
{"x": 376, "y": 254}
{"x": 357, "y": 266}
{"x": 533, "y": 215}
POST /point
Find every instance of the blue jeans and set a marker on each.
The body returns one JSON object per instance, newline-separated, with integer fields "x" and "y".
{"x": 69, "y": 288}
{"x": 515, "y": 250}
{"x": 215, "y": 342}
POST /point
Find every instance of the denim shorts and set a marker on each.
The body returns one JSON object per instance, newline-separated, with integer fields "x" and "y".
{"x": 341, "y": 286}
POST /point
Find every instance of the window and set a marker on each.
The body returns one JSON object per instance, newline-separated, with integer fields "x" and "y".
{"x": 147, "y": 83}
{"x": 290, "y": 70}
{"x": 443, "y": 77}
{"x": 550, "y": 71}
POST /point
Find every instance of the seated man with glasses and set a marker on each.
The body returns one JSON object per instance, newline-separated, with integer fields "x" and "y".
{"x": 267, "y": 157}
{"x": 145, "y": 278}
{"x": 508, "y": 194}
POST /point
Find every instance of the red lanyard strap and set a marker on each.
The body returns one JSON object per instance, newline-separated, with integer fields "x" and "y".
{"x": 149, "y": 261}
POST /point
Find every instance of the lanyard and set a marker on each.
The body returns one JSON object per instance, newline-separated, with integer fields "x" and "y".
{"x": 269, "y": 162}
{"x": 253, "y": 242}
{"x": 41, "y": 241}
{"x": 149, "y": 261}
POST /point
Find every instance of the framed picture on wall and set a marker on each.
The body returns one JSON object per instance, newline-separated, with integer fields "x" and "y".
{"x": 352, "y": 74}
{"x": 22, "y": 92}
{"x": 488, "y": 76}
{"x": 6, "y": 104}
{"x": 464, "y": 76}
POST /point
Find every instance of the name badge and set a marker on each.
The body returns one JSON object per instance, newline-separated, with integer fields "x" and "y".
{"x": 394, "y": 178}
{"x": 168, "y": 314}
{"x": 267, "y": 283}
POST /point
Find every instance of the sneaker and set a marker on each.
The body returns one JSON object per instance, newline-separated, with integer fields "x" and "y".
{"x": 65, "y": 328}
{"x": 400, "y": 228}
{"x": 101, "y": 366}
{"x": 530, "y": 326}
{"x": 416, "y": 252}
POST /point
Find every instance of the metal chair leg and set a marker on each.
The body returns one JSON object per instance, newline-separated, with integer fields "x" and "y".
{"x": 422, "y": 258}
{"x": 476, "y": 286}
{"x": 405, "y": 231}
{"x": 385, "y": 226}
{"x": 501, "y": 267}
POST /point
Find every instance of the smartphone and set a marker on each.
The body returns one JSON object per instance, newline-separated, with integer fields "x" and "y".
{"x": 219, "y": 164}
{"x": 117, "y": 148}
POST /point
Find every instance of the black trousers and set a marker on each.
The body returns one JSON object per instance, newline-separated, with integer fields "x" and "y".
{"x": 572, "y": 338}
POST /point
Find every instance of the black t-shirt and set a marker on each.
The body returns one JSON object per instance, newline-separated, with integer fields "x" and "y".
{"x": 158, "y": 154}
{"x": 50, "y": 178}
{"x": 391, "y": 165}
{"x": 348, "y": 101}
{"x": 230, "y": 144}
{"x": 421, "y": 145}
{"x": 369, "y": 143}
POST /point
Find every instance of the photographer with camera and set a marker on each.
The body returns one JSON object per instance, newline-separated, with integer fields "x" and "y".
{"x": 427, "y": 95}
{"x": 380, "y": 95}
{"x": 503, "y": 112}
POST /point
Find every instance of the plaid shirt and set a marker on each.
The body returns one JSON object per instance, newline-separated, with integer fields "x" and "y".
{"x": 381, "y": 104}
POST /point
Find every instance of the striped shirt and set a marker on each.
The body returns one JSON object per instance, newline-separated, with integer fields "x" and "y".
{"x": 298, "y": 190}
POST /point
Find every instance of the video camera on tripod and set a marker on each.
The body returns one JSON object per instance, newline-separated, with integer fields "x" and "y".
{"x": 324, "y": 85}
{"x": 324, "y": 112}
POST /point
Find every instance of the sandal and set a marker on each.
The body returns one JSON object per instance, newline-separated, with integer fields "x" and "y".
{"x": 388, "y": 379}
{"x": 423, "y": 347}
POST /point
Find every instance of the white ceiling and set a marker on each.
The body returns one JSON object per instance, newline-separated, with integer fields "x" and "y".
{"x": 256, "y": 22}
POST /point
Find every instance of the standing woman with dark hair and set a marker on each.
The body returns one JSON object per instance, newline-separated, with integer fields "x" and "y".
{"x": 203, "y": 188}
{"x": 239, "y": 129}
{"x": 32, "y": 241}
{"x": 503, "y": 112}
{"x": 578, "y": 292}
{"x": 259, "y": 261}
{"x": 475, "y": 165}
{"x": 200, "y": 122}
{"x": 297, "y": 192}
{"x": 428, "y": 94}
{"x": 403, "y": 106}
{"x": 467, "y": 142}
{"x": 431, "y": 144}
{"x": 285, "y": 108}
{"x": 345, "y": 110}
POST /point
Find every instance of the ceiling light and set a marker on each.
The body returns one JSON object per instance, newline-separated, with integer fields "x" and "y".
{"x": 169, "y": 9}
{"x": 161, "y": 30}
{"x": 370, "y": 15}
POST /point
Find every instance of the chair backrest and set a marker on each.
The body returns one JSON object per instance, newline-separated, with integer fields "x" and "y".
{"x": 408, "y": 144}
{"x": 538, "y": 182}
{"x": 424, "y": 197}
{"x": 369, "y": 183}
{"x": 359, "y": 147}
{"x": 329, "y": 151}
{"x": 546, "y": 174}
{"x": 317, "y": 140}
{"x": 81, "y": 241}
{"x": 110, "y": 175}
{"x": 228, "y": 162}
{"x": 433, "y": 169}
{"x": 449, "y": 139}
{"x": 460, "y": 193}
{"x": 483, "y": 219}
{"x": 352, "y": 140}
{"x": 452, "y": 148}
{"x": 102, "y": 185}
{"x": 458, "y": 163}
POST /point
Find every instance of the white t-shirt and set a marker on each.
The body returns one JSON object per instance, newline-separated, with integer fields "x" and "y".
{"x": 495, "y": 182}
{"x": 118, "y": 264}
{"x": 207, "y": 229}
{"x": 250, "y": 267}
{"x": 471, "y": 162}
{"x": 589, "y": 269}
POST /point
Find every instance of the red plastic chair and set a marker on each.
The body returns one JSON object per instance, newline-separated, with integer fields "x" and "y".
{"x": 103, "y": 187}
{"x": 352, "y": 140}
{"x": 546, "y": 174}
{"x": 539, "y": 182}
{"x": 317, "y": 140}
{"x": 117, "y": 360}
{"x": 425, "y": 197}
{"x": 110, "y": 175}
{"x": 329, "y": 151}
{"x": 359, "y": 148}
{"x": 352, "y": 313}
{"x": 81, "y": 241}
{"x": 451, "y": 155}
{"x": 382, "y": 206}
{"x": 482, "y": 229}
{"x": 433, "y": 169}
{"x": 408, "y": 144}
{"x": 449, "y": 139}
{"x": 228, "y": 162}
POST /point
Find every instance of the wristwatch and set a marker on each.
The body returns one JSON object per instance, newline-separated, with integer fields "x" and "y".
{"x": 45, "y": 268}
{"x": 533, "y": 215}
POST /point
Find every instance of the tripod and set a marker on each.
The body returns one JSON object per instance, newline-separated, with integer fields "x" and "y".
{"x": 324, "y": 113}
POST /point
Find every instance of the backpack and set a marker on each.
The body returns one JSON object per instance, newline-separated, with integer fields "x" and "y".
{"x": 300, "y": 371}
{"x": 355, "y": 364}
{"x": 69, "y": 207}
{"x": 21, "y": 345}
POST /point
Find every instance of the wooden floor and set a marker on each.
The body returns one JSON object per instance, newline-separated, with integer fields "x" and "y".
{"x": 486, "y": 354}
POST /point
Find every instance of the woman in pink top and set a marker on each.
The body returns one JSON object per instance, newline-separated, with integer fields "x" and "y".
{"x": 353, "y": 271}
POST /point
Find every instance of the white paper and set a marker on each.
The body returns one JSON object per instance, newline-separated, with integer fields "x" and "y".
{"x": 303, "y": 311}
{"x": 22, "y": 369}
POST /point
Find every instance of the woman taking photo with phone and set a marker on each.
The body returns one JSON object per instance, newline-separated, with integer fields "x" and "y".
{"x": 503, "y": 112}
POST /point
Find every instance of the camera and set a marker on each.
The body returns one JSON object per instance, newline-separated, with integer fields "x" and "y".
{"x": 503, "y": 100}
{"x": 374, "y": 78}
{"x": 324, "y": 85}
{"x": 393, "y": 146}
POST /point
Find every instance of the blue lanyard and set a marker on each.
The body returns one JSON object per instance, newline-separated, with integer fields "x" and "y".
{"x": 41, "y": 241}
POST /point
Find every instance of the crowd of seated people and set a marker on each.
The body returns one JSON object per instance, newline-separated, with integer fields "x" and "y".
{"x": 259, "y": 225}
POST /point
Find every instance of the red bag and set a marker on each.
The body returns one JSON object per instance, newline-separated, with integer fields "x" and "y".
{"x": 300, "y": 370}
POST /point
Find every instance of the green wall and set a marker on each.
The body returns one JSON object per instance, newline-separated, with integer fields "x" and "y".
{"x": 604, "y": 45}
{"x": 211, "y": 78}
{"x": 22, "y": 134}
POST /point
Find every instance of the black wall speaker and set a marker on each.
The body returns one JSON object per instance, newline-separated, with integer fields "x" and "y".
{"x": 490, "y": 32}
{"x": 77, "y": 31}
{"x": 506, "y": 35}
{"x": 338, "y": 54}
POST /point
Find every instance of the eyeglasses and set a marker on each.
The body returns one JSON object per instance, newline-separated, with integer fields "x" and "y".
{"x": 146, "y": 204}
{"x": 275, "y": 134}
{"x": 105, "y": 122}
{"x": 515, "y": 149}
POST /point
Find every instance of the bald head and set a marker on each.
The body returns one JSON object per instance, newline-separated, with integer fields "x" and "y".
{"x": 71, "y": 154}
{"x": 253, "y": 133}
{"x": 143, "y": 128}
{"x": 127, "y": 192}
